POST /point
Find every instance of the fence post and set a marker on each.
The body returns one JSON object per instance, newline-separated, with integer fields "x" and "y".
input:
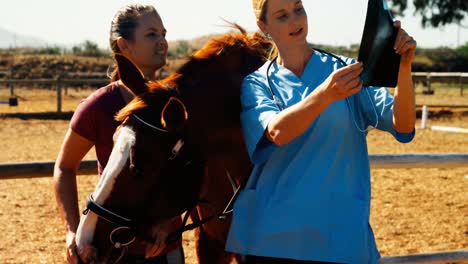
{"x": 59, "y": 93}
{"x": 66, "y": 89}
{"x": 424, "y": 117}
{"x": 12, "y": 89}
{"x": 461, "y": 85}
{"x": 429, "y": 88}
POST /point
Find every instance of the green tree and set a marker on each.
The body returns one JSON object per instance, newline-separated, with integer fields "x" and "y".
{"x": 184, "y": 48}
{"x": 49, "y": 50}
{"x": 463, "y": 50}
{"x": 77, "y": 50}
{"x": 88, "y": 48}
{"x": 434, "y": 12}
{"x": 91, "y": 49}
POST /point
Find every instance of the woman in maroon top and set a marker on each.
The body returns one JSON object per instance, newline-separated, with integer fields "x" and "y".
{"x": 138, "y": 32}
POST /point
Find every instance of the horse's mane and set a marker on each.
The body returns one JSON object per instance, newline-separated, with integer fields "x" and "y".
{"x": 209, "y": 52}
{"x": 139, "y": 102}
{"x": 217, "y": 46}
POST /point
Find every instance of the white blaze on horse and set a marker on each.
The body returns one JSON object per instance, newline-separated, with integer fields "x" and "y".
{"x": 125, "y": 139}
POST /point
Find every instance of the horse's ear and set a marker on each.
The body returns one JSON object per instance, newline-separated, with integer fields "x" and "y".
{"x": 130, "y": 75}
{"x": 174, "y": 114}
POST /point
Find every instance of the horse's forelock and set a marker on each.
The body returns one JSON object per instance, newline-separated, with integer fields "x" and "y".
{"x": 135, "y": 105}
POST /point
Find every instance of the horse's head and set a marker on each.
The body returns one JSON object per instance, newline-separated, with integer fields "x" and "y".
{"x": 152, "y": 174}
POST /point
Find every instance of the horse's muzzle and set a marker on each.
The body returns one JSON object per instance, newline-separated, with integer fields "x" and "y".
{"x": 87, "y": 255}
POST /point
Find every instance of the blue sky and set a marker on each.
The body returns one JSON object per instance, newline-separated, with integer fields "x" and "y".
{"x": 336, "y": 22}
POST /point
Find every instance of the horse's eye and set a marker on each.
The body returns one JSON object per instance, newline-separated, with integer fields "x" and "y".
{"x": 138, "y": 173}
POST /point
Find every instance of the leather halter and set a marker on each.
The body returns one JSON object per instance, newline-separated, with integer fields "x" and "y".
{"x": 123, "y": 223}
{"x": 106, "y": 214}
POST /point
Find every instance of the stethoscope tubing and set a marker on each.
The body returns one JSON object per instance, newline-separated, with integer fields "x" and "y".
{"x": 343, "y": 64}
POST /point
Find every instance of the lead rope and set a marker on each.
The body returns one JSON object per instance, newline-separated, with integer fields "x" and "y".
{"x": 122, "y": 254}
{"x": 234, "y": 185}
{"x": 172, "y": 237}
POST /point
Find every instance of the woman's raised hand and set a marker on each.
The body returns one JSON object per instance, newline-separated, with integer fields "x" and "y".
{"x": 342, "y": 83}
{"x": 405, "y": 45}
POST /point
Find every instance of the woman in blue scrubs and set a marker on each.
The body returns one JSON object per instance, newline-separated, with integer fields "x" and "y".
{"x": 308, "y": 197}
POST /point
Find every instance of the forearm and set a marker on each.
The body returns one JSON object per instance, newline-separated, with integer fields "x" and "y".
{"x": 404, "y": 115}
{"x": 66, "y": 196}
{"x": 293, "y": 121}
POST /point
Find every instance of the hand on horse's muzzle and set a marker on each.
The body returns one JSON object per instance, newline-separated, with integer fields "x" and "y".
{"x": 87, "y": 255}
{"x": 159, "y": 235}
{"x": 156, "y": 247}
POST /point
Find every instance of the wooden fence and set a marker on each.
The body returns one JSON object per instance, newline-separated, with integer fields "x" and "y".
{"x": 58, "y": 83}
{"x": 427, "y": 78}
{"x": 41, "y": 169}
{"x": 456, "y": 256}
{"x": 377, "y": 161}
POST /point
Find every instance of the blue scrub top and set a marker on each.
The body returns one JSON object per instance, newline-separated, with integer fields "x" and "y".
{"x": 309, "y": 199}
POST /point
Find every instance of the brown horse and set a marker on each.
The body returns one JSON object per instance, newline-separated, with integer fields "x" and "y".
{"x": 180, "y": 142}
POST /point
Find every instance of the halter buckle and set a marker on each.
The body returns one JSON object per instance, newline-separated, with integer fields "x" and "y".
{"x": 176, "y": 149}
{"x": 118, "y": 244}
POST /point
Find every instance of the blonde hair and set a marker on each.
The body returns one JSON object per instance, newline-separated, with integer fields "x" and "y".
{"x": 260, "y": 9}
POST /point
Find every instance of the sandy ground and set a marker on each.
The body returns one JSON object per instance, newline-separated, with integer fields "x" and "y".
{"x": 413, "y": 210}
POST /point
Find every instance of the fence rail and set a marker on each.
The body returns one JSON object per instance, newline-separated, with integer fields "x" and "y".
{"x": 428, "y": 78}
{"x": 8, "y": 73}
{"x": 58, "y": 82}
{"x": 428, "y": 258}
{"x": 442, "y": 106}
{"x": 442, "y": 77}
{"x": 377, "y": 161}
{"x": 18, "y": 170}
{"x": 404, "y": 161}
{"x": 54, "y": 81}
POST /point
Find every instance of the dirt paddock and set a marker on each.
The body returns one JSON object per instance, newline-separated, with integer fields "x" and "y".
{"x": 413, "y": 210}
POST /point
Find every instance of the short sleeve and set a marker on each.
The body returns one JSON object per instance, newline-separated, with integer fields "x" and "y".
{"x": 258, "y": 108}
{"x": 377, "y": 111}
{"x": 83, "y": 121}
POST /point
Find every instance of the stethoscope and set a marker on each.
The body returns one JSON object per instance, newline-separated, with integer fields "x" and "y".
{"x": 343, "y": 64}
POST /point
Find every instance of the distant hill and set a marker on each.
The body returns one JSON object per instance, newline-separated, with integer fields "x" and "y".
{"x": 12, "y": 40}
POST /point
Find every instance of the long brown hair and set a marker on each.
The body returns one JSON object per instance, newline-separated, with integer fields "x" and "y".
{"x": 124, "y": 25}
